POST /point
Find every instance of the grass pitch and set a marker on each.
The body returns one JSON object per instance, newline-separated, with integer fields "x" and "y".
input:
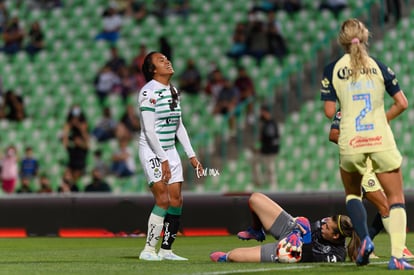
{"x": 102, "y": 256}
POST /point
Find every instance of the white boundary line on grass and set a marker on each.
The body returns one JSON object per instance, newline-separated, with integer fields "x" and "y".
{"x": 255, "y": 270}
{"x": 277, "y": 268}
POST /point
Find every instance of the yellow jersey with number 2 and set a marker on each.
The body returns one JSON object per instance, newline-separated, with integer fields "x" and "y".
{"x": 364, "y": 127}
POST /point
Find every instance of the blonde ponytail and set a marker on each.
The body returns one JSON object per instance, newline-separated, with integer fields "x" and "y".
{"x": 353, "y": 37}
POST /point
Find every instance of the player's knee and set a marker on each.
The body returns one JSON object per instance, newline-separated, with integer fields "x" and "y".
{"x": 162, "y": 200}
{"x": 254, "y": 197}
{"x": 176, "y": 201}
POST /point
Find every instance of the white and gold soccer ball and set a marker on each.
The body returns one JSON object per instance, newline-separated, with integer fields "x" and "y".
{"x": 286, "y": 254}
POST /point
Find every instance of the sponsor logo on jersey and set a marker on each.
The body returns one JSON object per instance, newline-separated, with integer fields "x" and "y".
{"x": 359, "y": 141}
{"x": 345, "y": 72}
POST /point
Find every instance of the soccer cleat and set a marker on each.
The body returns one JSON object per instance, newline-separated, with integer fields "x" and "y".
{"x": 218, "y": 256}
{"x": 399, "y": 264}
{"x": 169, "y": 255}
{"x": 407, "y": 254}
{"x": 149, "y": 256}
{"x": 251, "y": 233}
{"x": 366, "y": 248}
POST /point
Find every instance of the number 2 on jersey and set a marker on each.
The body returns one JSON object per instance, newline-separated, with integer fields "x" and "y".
{"x": 359, "y": 126}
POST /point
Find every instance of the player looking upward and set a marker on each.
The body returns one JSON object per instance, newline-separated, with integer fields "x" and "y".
{"x": 159, "y": 106}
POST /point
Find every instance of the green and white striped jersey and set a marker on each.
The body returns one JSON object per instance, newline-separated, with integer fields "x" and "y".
{"x": 156, "y": 97}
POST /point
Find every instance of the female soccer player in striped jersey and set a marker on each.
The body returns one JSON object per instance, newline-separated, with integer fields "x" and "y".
{"x": 161, "y": 124}
{"x": 358, "y": 82}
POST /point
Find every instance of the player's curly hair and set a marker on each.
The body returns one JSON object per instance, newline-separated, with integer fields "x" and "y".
{"x": 148, "y": 67}
{"x": 353, "y": 37}
{"x": 346, "y": 230}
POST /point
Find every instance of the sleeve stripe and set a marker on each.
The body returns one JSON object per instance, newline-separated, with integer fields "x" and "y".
{"x": 147, "y": 109}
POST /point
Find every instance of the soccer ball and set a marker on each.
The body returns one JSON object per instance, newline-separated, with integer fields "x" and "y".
{"x": 284, "y": 253}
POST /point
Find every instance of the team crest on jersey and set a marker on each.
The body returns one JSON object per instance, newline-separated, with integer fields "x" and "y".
{"x": 157, "y": 172}
{"x": 371, "y": 182}
{"x": 325, "y": 83}
{"x": 153, "y": 101}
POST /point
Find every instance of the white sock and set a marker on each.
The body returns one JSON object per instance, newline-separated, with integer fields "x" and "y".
{"x": 155, "y": 225}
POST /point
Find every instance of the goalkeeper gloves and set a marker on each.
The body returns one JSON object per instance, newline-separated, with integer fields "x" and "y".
{"x": 294, "y": 240}
{"x": 305, "y": 224}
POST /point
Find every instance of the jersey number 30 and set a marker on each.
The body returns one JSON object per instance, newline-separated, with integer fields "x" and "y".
{"x": 359, "y": 126}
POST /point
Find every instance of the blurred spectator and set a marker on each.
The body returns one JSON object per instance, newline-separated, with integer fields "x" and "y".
{"x": 106, "y": 126}
{"x": 160, "y": 9}
{"x": 265, "y": 158}
{"x": 13, "y": 106}
{"x": 136, "y": 67}
{"x": 105, "y": 82}
{"x": 4, "y": 16}
{"x": 214, "y": 85}
{"x": 29, "y": 165}
{"x": 277, "y": 44}
{"x": 138, "y": 79}
{"x": 292, "y": 6}
{"x": 265, "y": 5}
{"x": 98, "y": 184}
{"x": 165, "y": 48}
{"x": 67, "y": 185}
{"x": 245, "y": 85}
{"x": 99, "y": 163}
{"x": 13, "y": 36}
{"x": 190, "y": 78}
{"x": 126, "y": 86}
{"x": 139, "y": 58}
{"x": 9, "y": 169}
{"x": 123, "y": 163}
{"x": 227, "y": 102}
{"x": 116, "y": 62}
{"x": 133, "y": 8}
{"x": 335, "y": 6}
{"x": 112, "y": 24}
{"x": 211, "y": 70}
{"x": 257, "y": 44}
{"x": 43, "y": 4}
{"x": 75, "y": 138}
{"x": 36, "y": 39}
{"x": 121, "y": 6}
{"x": 25, "y": 186}
{"x": 181, "y": 8}
{"x": 238, "y": 47}
{"x": 128, "y": 125}
{"x": 392, "y": 8}
{"x": 44, "y": 183}
{"x": 137, "y": 10}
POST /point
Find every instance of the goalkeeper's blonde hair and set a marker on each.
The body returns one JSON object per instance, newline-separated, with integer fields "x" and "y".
{"x": 353, "y": 37}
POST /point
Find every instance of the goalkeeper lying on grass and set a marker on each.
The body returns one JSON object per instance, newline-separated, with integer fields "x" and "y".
{"x": 323, "y": 242}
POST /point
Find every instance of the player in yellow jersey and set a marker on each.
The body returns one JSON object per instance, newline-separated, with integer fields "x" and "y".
{"x": 358, "y": 83}
{"x": 371, "y": 190}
